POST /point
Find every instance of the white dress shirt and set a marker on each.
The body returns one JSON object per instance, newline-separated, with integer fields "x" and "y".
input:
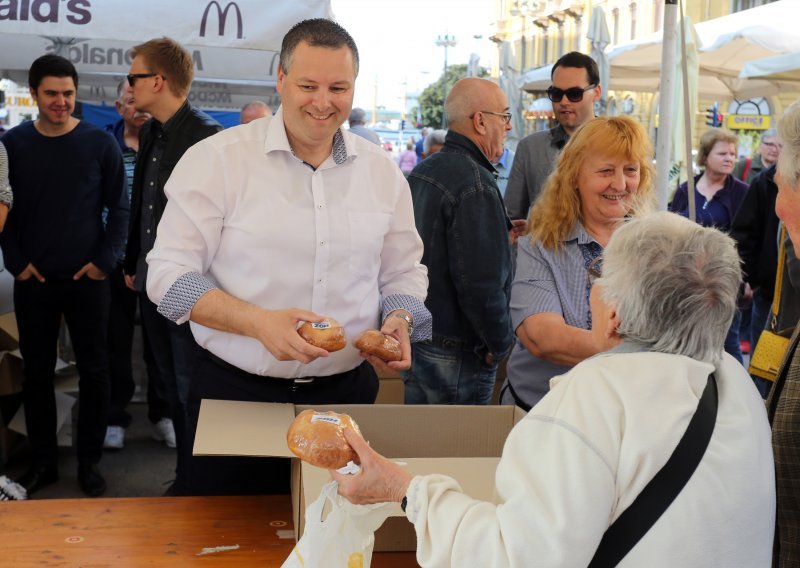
{"x": 247, "y": 216}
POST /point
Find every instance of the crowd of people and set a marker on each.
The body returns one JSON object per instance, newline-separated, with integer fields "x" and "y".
{"x": 619, "y": 325}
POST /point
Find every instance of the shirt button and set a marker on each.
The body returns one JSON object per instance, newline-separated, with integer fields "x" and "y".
{"x": 148, "y": 231}
{"x": 321, "y": 243}
{"x": 320, "y": 280}
{"x": 154, "y": 159}
{"x": 151, "y": 184}
{"x": 149, "y": 206}
{"x": 320, "y": 205}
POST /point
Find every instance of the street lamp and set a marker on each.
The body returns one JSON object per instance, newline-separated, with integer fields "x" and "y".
{"x": 445, "y": 41}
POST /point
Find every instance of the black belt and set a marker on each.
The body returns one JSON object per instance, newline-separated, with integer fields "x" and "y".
{"x": 298, "y": 382}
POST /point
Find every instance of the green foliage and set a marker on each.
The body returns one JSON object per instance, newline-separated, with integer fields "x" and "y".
{"x": 431, "y": 100}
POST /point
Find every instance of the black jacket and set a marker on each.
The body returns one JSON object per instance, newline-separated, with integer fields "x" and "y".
{"x": 755, "y": 230}
{"x": 189, "y": 127}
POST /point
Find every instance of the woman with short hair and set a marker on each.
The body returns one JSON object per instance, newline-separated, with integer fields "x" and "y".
{"x": 583, "y": 455}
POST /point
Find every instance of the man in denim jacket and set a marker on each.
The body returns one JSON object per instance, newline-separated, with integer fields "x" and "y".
{"x": 462, "y": 221}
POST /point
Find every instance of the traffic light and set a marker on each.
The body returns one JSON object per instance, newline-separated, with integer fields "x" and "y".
{"x": 713, "y": 116}
{"x": 402, "y": 125}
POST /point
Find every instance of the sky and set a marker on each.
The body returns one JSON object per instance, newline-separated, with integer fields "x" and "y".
{"x": 396, "y": 43}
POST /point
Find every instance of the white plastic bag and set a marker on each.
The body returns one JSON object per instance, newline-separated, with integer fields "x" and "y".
{"x": 344, "y": 539}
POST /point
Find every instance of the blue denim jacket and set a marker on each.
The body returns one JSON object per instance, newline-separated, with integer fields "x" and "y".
{"x": 463, "y": 224}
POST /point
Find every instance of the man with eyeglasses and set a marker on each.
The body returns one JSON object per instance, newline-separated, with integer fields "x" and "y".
{"x": 460, "y": 216}
{"x": 160, "y": 76}
{"x": 769, "y": 149}
{"x": 60, "y": 250}
{"x": 574, "y": 90}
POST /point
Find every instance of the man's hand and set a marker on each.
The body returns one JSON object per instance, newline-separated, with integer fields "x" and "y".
{"x": 518, "y": 226}
{"x": 130, "y": 281}
{"x": 379, "y": 481}
{"x": 3, "y": 215}
{"x": 277, "y": 331}
{"x": 91, "y": 271}
{"x": 30, "y": 272}
{"x": 397, "y": 328}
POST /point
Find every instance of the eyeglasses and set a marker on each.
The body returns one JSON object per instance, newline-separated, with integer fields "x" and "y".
{"x": 574, "y": 94}
{"x": 594, "y": 271}
{"x": 506, "y": 116}
{"x": 773, "y": 145}
{"x": 133, "y": 76}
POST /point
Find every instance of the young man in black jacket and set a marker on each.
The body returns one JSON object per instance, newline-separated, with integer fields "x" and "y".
{"x": 161, "y": 74}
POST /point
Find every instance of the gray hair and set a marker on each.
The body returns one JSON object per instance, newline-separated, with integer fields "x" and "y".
{"x": 434, "y": 137}
{"x": 674, "y": 284}
{"x": 789, "y": 133}
{"x": 769, "y": 133}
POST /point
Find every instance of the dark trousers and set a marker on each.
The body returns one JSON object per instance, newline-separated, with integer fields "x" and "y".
{"x": 254, "y": 475}
{"x": 175, "y": 354}
{"x": 39, "y": 309}
{"x": 121, "y": 321}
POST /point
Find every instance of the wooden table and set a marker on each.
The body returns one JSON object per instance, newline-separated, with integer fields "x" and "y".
{"x": 154, "y": 531}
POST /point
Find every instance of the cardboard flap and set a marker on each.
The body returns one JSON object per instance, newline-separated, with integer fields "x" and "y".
{"x": 431, "y": 430}
{"x": 9, "y": 334}
{"x": 233, "y": 428}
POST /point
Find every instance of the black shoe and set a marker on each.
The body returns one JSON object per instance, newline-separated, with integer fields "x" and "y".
{"x": 38, "y": 476}
{"x": 90, "y": 480}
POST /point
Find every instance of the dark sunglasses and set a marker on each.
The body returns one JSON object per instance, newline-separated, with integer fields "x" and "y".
{"x": 574, "y": 94}
{"x": 133, "y": 76}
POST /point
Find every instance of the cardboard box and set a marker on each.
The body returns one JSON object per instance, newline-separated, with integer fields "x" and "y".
{"x": 10, "y": 359}
{"x": 459, "y": 438}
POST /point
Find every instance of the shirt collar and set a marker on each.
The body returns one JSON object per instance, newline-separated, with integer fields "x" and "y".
{"x": 167, "y": 127}
{"x": 503, "y": 159}
{"x": 578, "y": 233}
{"x": 277, "y": 140}
{"x": 558, "y": 136}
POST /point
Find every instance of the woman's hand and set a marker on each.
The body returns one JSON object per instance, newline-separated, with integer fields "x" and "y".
{"x": 379, "y": 481}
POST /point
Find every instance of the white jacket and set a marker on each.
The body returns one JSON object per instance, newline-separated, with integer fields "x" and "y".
{"x": 584, "y": 453}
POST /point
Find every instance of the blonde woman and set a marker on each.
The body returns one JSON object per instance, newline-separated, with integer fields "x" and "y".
{"x": 606, "y": 164}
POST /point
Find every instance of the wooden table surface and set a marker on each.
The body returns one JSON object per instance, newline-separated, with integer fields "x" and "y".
{"x": 154, "y": 531}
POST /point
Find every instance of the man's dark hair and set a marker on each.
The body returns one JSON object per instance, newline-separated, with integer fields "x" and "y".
{"x": 581, "y": 61}
{"x": 51, "y": 65}
{"x": 317, "y": 32}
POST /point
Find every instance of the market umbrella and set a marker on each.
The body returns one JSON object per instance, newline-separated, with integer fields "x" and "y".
{"x": 599, "y": 37}
{"x": 784, "y": 68}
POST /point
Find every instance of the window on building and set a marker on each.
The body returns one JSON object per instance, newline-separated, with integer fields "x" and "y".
{"x": 739, "y": 5}
{"x": 633, "y": 20}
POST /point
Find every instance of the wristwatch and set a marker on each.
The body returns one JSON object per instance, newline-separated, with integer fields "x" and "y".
{"x": 406, "y": 317}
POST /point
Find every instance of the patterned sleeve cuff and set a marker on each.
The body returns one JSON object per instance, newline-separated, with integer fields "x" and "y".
{"x": 423, "y": 322}
{"x": 6, "y": 196}
{"x": 183, "y": 295}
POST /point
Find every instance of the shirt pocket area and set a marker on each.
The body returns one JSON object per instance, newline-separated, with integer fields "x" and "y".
{"x": 367, "y": 231}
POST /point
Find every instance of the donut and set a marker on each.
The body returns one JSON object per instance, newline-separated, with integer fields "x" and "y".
{"x": 318, "y": 438}
{"x": 376, "y": 343}
{"x": 328, "y": 334}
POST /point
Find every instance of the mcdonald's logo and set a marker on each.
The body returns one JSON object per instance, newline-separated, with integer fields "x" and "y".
{"x": 222, "y": 17}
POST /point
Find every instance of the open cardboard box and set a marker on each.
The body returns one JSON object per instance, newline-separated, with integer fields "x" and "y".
{"x": 460, "y": 438}
{"x": 10, "y": 358}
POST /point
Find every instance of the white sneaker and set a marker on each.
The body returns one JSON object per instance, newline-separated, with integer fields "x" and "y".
{"x": 164, "y": 431}
{"x": 11, "y": 490}
{"x": 115, "y": 438}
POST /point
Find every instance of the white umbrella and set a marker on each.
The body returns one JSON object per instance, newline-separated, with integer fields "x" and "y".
{"x": 509, "y": 82}
{"x": 600, "y": 38}
{"x": 727, "y": 43}
{"x": 784, "y": 68}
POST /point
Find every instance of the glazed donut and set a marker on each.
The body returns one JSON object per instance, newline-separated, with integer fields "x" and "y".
{"x": 376, "y": 343}
{"x": 328, "y": 334}
{"x": 318, "y": 438}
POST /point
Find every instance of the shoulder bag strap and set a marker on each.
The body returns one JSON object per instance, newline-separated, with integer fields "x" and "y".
{"x": 656, "y": 497}
{"x": 746, "y": 170}
{"x": 776, "y": 298}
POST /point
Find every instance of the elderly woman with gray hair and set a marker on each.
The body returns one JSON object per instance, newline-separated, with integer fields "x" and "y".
{"x": 783, "y": 404}
{"x": 578, "y": 475}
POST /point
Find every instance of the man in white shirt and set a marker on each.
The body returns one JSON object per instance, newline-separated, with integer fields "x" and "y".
{"x": 284, "y": 220}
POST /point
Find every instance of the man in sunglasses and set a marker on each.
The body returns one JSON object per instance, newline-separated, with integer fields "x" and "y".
{"x": 160, "y": 77}
{"x": 574, "y": 90}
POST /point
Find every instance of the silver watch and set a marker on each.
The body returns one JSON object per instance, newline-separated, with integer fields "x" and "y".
{"x": 408, "y": 319}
